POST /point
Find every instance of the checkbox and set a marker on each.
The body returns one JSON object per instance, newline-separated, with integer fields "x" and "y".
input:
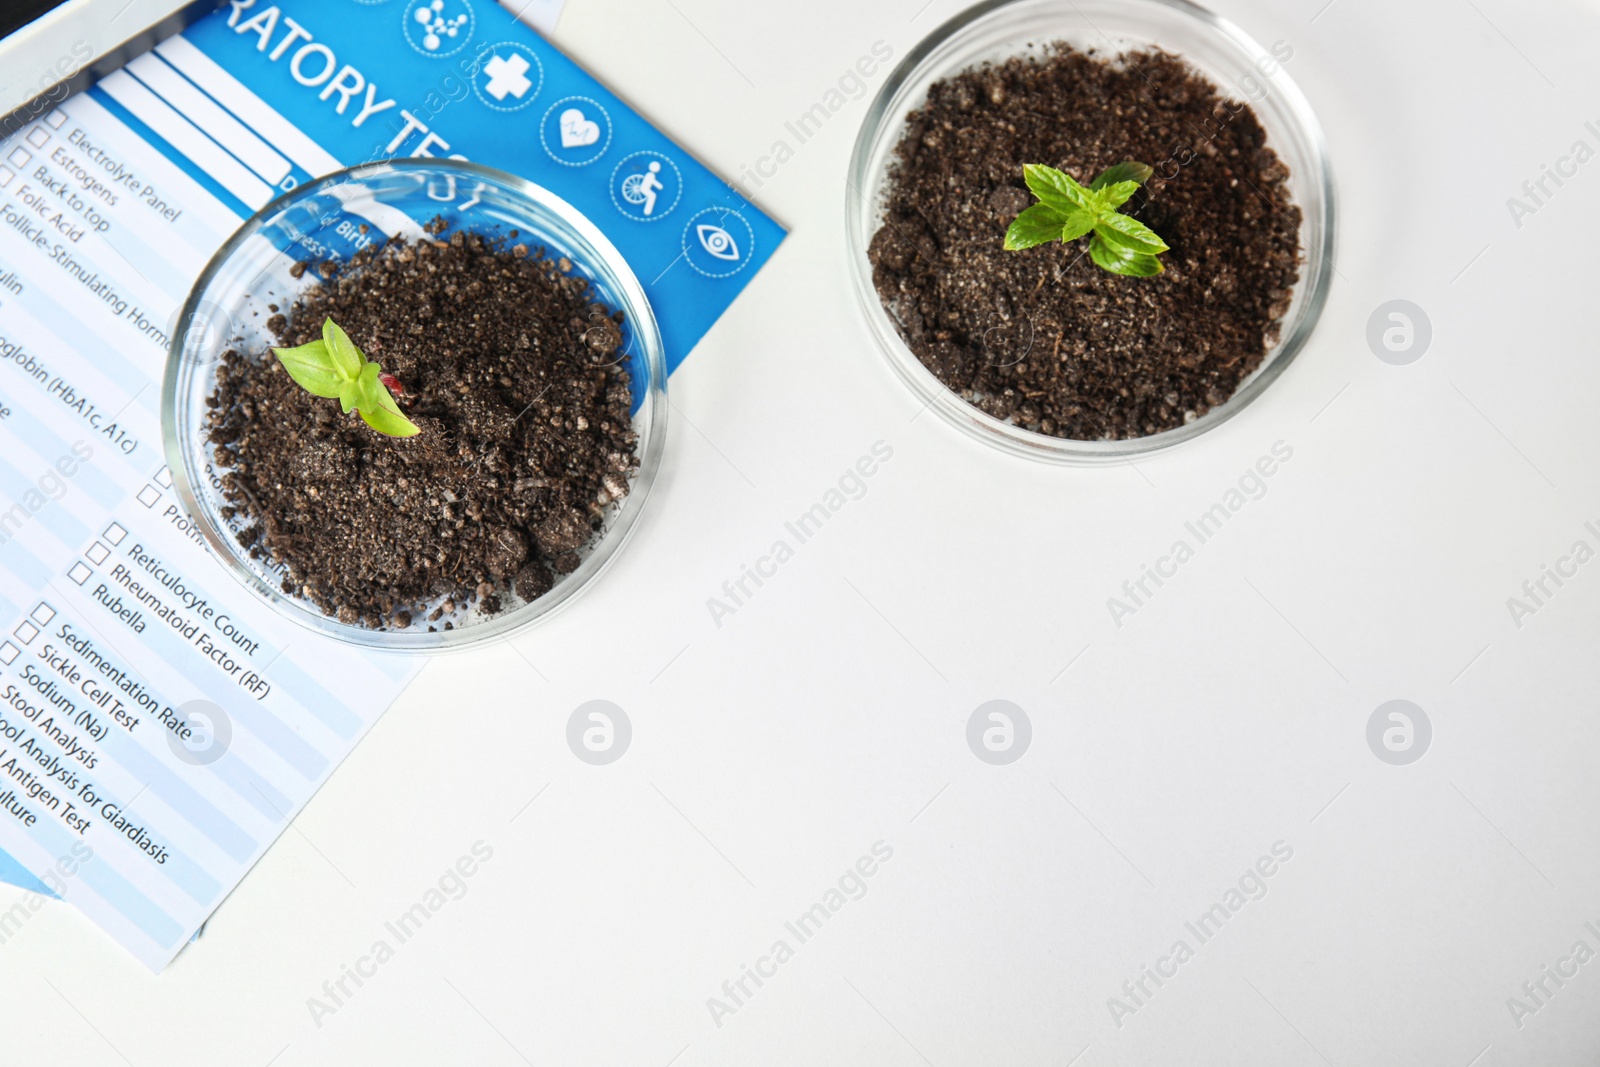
{"x": 164, "y": 478}
{"x": 97, "y": 553}
{"x": 55, "y": 120}
{"x": 9, "y": 653}
{"x": 80, "y": 573}
{"x": 6, "y": 174}
{"x": 26, "y": 632}
{"x": 115, "y": 533}
{"x": 149, "y": 495}
{"x": 19, "y": 157}
{"x": 43, "y": 614}
{"x": 38, "y": 136}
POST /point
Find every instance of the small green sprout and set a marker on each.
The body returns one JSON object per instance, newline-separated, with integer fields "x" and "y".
{"x": 1066, "y": 211}
{"x": 336, "y": 369}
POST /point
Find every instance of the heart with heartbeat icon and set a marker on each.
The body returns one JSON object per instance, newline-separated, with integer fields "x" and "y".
{"x": 577, "y": 130}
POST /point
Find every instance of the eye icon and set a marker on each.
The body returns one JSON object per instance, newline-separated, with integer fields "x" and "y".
{"x": 718, "y": 242}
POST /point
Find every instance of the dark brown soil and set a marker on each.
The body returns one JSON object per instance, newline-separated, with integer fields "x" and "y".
{"x": 509, "y": 368}
{"x": 1044, "y": 338}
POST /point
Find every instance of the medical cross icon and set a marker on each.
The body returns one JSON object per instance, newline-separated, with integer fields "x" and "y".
{"x": 507, "y": 76}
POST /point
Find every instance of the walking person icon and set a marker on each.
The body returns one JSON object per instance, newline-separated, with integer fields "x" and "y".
{"x": 646, "y": 186}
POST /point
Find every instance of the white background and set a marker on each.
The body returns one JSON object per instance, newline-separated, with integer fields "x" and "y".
{"x": 826, "y": 715}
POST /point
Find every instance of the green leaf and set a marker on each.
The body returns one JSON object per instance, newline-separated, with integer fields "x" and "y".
{"x": 1039, "y": 224}
{"x": 335, "y": 369}
{"x": 1130, "y": 233}
{"x": 349, "y": 395}
{"x": 386, "y": 399}
{"x": 372, "y": 394}
{"x": 1053, "y": 187}
{"x": 1117, "y": 260}
{"x": 311, "y": 368}
{"x": 1066, "y": 210}
{"x": 389, "y": 423}
{"x": 1107, "y": 257}
{"x": 1140, "y": 267}
{"x": 1078, "y": 224}
{"x": 1118, "y": 193}
{"x": 1122, "y": 172}
{"x": 347, "y": 358}
{"x": 377, "y": 406}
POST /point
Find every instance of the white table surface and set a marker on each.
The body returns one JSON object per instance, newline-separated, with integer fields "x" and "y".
{"x": 830, "y": 712}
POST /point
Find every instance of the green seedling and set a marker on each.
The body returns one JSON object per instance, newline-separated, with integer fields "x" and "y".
{"x": 336, "y": 369}
{"x": 1067, "y": 211}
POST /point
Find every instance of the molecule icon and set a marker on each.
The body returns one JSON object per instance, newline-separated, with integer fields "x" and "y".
{"x": 435, "y": 27}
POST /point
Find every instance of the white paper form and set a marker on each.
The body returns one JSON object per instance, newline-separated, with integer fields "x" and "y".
{"x": 146, "y": 808}
{"x": 113, "y": 621}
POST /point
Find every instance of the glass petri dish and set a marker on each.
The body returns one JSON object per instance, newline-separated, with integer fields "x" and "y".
{"x": 227, "y": 308}
{"x": 1000, "y": 29}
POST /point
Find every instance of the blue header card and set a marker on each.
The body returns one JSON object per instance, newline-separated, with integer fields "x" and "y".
{"x": 301, "y": 88}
